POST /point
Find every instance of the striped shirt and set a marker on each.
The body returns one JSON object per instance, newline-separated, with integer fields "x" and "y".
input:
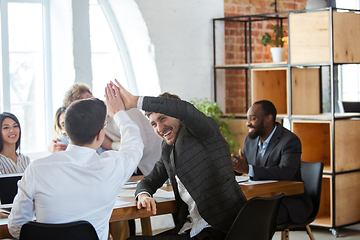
{"x": 8, "y": 166}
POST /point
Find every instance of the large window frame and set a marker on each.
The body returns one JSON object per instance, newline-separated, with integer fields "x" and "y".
{"x": 349, "y": 74}
{"x": 5, "y": 102}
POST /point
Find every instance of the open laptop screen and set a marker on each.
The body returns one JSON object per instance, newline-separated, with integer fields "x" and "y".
{"x": 8, "y": 188}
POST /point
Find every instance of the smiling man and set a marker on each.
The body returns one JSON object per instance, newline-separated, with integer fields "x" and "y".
{"x": 196, "y": 158}
{"x": 272, "y": 152}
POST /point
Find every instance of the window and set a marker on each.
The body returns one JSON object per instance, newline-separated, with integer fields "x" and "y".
{"x": 105, "y": 56}
{"x": 349, "y": 74}
{"x": 25, "y": 83}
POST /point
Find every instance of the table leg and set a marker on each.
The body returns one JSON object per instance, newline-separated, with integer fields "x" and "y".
{"x": 119, "y": 230}
{"x": 146, "y": 226}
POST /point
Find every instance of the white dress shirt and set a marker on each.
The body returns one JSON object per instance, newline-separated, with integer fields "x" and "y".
{"x": 152, "y": 142}
{"x": 194, "y": 220}
{"x": 77, "y": 184}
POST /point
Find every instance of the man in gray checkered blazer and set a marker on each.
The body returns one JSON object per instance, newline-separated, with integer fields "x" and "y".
{"x": 196, "y": 158}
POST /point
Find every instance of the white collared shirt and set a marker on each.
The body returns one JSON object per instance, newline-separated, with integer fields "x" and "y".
{"x": 194, "y": 220}
{"x": 152, "y": 142}
{"x": 77, "y": 184}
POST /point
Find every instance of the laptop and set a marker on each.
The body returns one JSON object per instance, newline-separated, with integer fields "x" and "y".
{"x": 351, "y": 107}
{"x": 8, "y": 189}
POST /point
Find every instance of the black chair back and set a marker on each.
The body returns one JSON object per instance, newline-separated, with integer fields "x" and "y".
{"x": 79, "y": 230}
{"x": 257, "y": 219}
{"x": 311, "y": 173}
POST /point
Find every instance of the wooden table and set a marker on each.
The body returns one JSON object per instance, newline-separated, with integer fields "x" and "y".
{"x": 165, "y": 206}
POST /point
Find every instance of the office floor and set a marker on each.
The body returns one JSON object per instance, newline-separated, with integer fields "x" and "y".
{"x": 348, "y": 233}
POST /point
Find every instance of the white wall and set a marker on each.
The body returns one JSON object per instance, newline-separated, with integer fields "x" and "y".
{"x": 181, "y": 31}
{"x": 180, "y": 41}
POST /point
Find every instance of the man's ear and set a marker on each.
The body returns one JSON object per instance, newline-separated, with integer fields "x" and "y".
{"x": 269, "y": 118}
{"x": 98, "y": 136}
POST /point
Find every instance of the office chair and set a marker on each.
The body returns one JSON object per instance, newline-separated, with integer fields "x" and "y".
{"x": 311, "y": 173}
{"x": 257, "y": 219}
{"x": 79, "y": 230}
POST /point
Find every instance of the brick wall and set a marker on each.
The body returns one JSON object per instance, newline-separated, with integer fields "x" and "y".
{"x": 235, "y": 44}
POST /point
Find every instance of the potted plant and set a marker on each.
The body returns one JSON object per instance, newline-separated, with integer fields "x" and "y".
{"x": 213, "y": 110}
{"x": 277, "y": 43}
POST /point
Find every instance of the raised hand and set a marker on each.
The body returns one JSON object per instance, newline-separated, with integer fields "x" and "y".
{"x": 56, "y": 147}
{"x": 240, "y": 163}
{"x": 114, "y": 102}
{"x": 130, "y": 101}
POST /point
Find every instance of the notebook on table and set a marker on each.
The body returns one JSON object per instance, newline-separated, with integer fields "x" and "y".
{"x": 8, "y": 189}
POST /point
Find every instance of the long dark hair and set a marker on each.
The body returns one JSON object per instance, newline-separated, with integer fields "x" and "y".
{"x": 13, "y": 117}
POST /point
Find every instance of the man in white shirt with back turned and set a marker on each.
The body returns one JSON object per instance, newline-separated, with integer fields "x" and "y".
{"x": 78, "y": 184}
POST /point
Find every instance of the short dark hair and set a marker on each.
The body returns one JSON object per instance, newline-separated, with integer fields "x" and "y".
{"x": 13, "y": 117}
{"x": 268, "y": 108}
{"x": 165, "y": 95}
{"x": 84, "y": 119}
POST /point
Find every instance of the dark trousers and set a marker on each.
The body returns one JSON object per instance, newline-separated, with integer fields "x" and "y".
{"x": 206, "y": 234}
{"x": 283, "y": 215}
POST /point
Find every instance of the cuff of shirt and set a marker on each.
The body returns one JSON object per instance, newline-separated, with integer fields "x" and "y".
{"x": 251, "y": 171}
{"x": 115, "y": 146}
{"x": 140, "y": 102}
{"x": 142, "y": 193}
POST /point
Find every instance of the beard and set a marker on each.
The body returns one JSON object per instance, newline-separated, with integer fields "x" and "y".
{"x": 258, "y": 131}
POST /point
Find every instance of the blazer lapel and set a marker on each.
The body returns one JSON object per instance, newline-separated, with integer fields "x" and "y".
{"x": 273, "y": 142}
{"x": 253, "y": 152}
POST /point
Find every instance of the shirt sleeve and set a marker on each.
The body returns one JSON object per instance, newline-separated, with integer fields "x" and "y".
{"x": 23, "y": 208}
{"x": 140, "y": 102}
{"x": 132, "y": 146}
{"x": 251, "y": 171}
{"x": 115, "y": 145}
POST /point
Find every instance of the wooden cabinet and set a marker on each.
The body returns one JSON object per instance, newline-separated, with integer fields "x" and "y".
{"x": 318, "y": 39}
{"x": 314, "y": 37}
{"x": 271, "y": 84}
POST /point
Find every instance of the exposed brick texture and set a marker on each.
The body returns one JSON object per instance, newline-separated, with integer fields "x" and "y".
{"x": 235, "y": 43}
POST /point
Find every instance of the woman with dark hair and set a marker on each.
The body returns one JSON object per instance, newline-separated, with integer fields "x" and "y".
{"x": 11, "y": 161}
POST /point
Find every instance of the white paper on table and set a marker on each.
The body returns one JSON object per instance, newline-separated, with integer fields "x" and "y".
{"x": 251, "y": 182}
{"x": 124, "y": 192}
{"x": 242, "y": 178}
{"x": 164, "y": 194}
{"x": 127, "y": 192}
{"x": 120, "y": 203}
{"x": 130, "y": 185}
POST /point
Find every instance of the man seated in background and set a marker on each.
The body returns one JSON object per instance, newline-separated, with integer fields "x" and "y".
{"x": 272, "y": 152}
{"x": 78, "y": 184}
{"x": 196, "y": 158}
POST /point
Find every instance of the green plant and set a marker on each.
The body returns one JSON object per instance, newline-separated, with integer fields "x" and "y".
{"x": 278, "y": 37}
{"x": 213, "y": 110}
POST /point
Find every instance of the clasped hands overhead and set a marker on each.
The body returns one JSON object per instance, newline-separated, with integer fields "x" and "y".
{"x": 118, "y": 98}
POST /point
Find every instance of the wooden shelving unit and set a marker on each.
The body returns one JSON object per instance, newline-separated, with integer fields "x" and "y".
{"x": 271, "y": 84}
{"x": 315, "y": 137}
{"x": 296, "y": 87}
